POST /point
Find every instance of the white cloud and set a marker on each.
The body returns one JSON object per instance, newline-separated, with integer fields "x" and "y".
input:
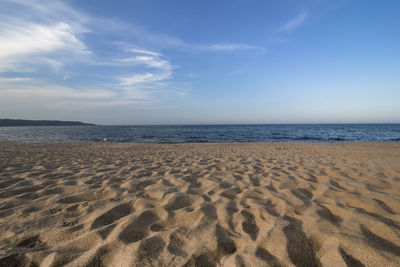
{"x": 144, "y": 78}
{"x": 34, "y": 34}
{"x": 32, "y": 93}
{"x": 30, "y": 87}
{"x": 226, "y": 47}
{"x": 44, "y": 11}
{"x": 148, "y": 61}
{"x": 12, "y": 80}
{"x": 167, "y": 41}
{"x": 30, "y": 38}
{"x": 294, "y": 23}
{"x": 143, "y": 51}
{"x": 90, "y": 105}
{"x": 43, "y": 49}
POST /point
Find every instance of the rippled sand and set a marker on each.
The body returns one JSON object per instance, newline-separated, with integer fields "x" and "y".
{"x": 250, "y": 204}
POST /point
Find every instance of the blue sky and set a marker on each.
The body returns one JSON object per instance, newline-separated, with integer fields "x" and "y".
{"x": 179, "y": 62}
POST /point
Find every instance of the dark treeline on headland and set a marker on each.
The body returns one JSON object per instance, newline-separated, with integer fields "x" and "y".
{"x": 11, "y": 122}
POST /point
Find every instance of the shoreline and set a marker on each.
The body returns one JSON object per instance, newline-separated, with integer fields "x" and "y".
{"x": 192, "y": 204}
{"x": 200, "y": 143}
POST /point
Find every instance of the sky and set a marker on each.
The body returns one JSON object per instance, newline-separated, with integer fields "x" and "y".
{"x": 200, "y": 62}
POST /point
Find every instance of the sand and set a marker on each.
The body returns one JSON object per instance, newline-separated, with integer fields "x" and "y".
{"x": 242, "y": 204}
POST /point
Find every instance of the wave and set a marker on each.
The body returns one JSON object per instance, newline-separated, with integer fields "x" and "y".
{"x": 336, "y": 139}
{"x": 280, "y": 137}
{"x": 148, "y": 137}
{"x": 308, "y": 138}
{"x": 205, "y": 133}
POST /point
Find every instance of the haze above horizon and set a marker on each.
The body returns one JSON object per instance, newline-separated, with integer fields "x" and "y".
{"x": 200, "y": 62}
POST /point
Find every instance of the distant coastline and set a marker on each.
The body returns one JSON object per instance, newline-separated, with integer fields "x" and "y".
{"x": 18, "y": 122}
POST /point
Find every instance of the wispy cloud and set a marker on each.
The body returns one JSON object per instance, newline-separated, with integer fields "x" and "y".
{"x": 143, "y": 51}
{"x": 30, "y": 87}
{"x": 144, "y": 78}
{"x": 165, "y": 41}
{"x": 161, "y": 69}
{"x": 24, "y": 43}
{"x": 30, "y": 38}
{"x": 225, "y": 47}
{"x": 51, "y": 36}
{"x": 44, "y": 57}
{"x": 156, "y": 62}
{"x": 293, "y": 23}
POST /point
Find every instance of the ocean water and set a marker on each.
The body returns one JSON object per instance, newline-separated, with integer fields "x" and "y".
{"x": 207, "y": 133}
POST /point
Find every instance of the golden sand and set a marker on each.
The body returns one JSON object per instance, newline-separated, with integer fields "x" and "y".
{"x": 242, "y": 204}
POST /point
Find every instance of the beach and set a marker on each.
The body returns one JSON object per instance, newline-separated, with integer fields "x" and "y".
{"x": 200, "y": 204}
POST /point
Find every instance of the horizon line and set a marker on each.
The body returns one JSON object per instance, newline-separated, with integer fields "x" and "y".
{"x": 249, "y": 124}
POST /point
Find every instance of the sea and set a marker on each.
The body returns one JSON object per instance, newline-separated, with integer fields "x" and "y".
{"x": 206, "y": 133}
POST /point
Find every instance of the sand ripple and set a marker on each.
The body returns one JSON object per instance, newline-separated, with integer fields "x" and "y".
{"x": 271, "y": 204}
